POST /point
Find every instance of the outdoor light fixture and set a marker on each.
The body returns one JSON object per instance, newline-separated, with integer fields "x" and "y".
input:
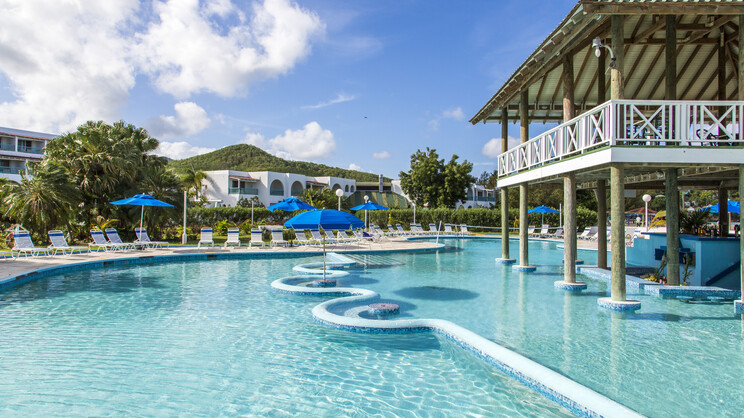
{"x": 340, "y": 194}
{"x": 646, "y": 198}
{"x": 598, "y": 45}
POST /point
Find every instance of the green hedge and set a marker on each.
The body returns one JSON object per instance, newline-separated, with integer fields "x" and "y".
{"x": 198, "y": 217}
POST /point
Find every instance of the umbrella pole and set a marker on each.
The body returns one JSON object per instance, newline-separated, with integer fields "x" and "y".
{"x": 142, "y": 214}
{"x": 324, "y": 256}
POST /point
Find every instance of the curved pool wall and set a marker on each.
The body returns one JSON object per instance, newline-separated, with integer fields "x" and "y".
{"x": 575, "y": 397}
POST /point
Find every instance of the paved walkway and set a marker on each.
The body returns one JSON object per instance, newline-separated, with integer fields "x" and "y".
{"x": 9, "y": 267}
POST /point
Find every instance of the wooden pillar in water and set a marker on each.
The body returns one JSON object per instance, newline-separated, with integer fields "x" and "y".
{"x": 617, "y": 239}
{"x": 671, "y": 194}
{"x": 601, "y": 195}
{"x": 569, "y": 181}
{"x": 524, "y": 134}
{"x": 505, "y": 192}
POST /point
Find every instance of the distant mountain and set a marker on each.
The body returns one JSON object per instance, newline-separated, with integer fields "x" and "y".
{"x": 244, "y": 157}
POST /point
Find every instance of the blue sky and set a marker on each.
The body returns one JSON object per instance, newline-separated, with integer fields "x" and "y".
{"x": 359, "y": 84}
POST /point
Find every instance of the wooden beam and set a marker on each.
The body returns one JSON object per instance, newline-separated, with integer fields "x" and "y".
{"x": 568, "y": 88}
{"x": 740, "y": 64}
{"x": 539, "y": 91}
{"x": 670, "y": 64}
{"x": 618, "y": 39}
{"x": 713, "y": 76}
{"x": 716, "y": 24}
{"x": 524, "y": 119}
{"x": 684, "y": 68}
{"x": 661, "y": 8}
{"x": 555, "y": 93}
{"x": 601, "y": 87}
{"x": 733, "y": 58}
{"x": 648, "y": 33}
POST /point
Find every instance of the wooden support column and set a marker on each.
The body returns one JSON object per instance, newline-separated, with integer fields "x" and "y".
{"x": 601, "y": 195}
{"x": 505, "y": 193}
{"x": 617, "y": 218}
{"x": 618, "y": 48}
{"x": 569, "y": 181}
{"x": 740, "y": 64}
{"x": 670, "y": 70}
{"x": 671, "y": 194}
{"x": 723, "y": 213}
{"x": 524, "y": 134}
{"x": 721, "y": 69}
{"x": 601, "y": 80}
{"x": 569, "y": 231}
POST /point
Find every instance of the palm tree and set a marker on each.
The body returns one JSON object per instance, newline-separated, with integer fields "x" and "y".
{"x": 193, "y": 179}
{"x": 42, "y": 202}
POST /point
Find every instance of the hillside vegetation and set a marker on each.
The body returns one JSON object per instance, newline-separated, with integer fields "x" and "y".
{"x": 244, "y": 157}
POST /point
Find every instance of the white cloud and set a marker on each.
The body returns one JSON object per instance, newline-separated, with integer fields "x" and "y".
{"x": 381, "y": 155}
{"x": 355, "y": 167}
{"x": 180, "y": 150}
{"x": 455, "y": 114}
{"x": 187, "y": 51}
{"x": 310, "y": 142}
{"x": 82, "y": 64}
{"x": 190, "y": 119}
{"x": 65, "y": 62}
{"x": 339, "y": 99}
{"x": 492, "y": 148}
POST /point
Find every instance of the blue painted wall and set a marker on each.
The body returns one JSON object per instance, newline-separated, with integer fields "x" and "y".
{"x": 712, "y": 256}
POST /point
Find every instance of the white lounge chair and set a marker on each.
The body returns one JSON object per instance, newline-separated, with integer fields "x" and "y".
{"x": 545, "y": 231}
{"x": 433, "y": 230}
{"x": 59, "y": 244}
{"x": 417, "y": 229}
{"x": 448, "y": 229}
{"x": 301, "y": 238}
{"x": 400, "y": 229}
{"x": 205, "y": 237}
{"x": 256, "y": 237}
{"x": 558, "y": 233}
{"x": 102, "y": 243}
{"x": 343, "y": 237}
{"x": 277, "y": 237}
{"x": 114, "y": 238}
{"x": 392, "y": 231}
{"x": 464, "y": 230}
{"x": 23, "y": 244}
{"x": 531, "y": 230}
{"x": 316, "y": 236}
{"x": 233, "y": 237}
{"x": 143, "y": 238}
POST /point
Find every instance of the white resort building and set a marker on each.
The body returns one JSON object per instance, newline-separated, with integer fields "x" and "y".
{"x": 17, "y": 148}
{"x": 227, "y": 187}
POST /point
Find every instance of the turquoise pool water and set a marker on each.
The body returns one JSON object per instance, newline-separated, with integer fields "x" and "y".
{"x": 214, "y": 338}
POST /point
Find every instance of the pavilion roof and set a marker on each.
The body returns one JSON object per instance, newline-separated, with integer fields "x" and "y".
{"x": 702, "y": 25}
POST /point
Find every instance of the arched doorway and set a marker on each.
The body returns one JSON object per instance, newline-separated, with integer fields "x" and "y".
{"x": 276, "y": 188}
{"x": 297, "y": 188}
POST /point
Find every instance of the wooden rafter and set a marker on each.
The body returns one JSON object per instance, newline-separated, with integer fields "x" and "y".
{"x": 555, "y": 94}
{"x": 733, "y": 59}
{"x": 713, "y": 76}
{"x": 539, "y": 92}
{"x": 648, "y": 33}
{"x": 716, "y": 24}
{"x": 698, "y": 72}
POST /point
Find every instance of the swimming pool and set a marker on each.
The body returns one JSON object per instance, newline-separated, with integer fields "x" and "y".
{"x": 209, "y": 338}
{"x": 212, "y": 337}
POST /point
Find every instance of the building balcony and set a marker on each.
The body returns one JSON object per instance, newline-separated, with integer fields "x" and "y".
{"x": 31, "y": 150}
{"x": 276, "y": 192}
{"x": 7, "y": 147}
{"x": 243, "y": 190}
{"x": 12, "y": 170}
{"x": 642, "y": 131}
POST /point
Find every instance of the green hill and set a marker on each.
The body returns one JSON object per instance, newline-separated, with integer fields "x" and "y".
{"x": 244, "y": 157}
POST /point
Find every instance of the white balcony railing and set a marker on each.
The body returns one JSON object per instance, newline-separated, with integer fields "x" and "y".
{"x": 638, "y": 123}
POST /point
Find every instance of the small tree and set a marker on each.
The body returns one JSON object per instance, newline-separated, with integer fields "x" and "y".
{"x": 431, "y": 181}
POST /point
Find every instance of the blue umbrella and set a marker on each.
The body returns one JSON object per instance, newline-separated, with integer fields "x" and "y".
{"x": 543, "y": 210}
{"x": 733, "y": 207}
{"x": 290, "y": 204}
{"x": 142, "y": 200}
{"x": 369, "y": 206}
{"x": 326, "y": 219}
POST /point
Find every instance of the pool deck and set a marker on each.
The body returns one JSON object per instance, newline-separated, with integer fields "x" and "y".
{"x": 10, "y": 269}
